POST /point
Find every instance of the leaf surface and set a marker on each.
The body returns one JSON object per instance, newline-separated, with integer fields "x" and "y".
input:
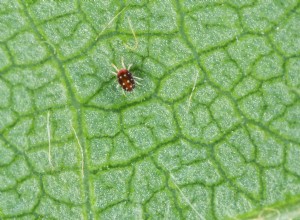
{"x": 212, "y": 132}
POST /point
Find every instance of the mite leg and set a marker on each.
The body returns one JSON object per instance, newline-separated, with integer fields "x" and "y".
{"x": 114, "y": 66}
{"x": 123, "y": 65}
{"x": 129, "y": 66}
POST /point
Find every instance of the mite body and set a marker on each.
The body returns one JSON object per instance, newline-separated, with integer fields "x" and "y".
{"x": 125, "y": 78}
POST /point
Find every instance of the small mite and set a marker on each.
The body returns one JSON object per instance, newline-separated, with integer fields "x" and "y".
{"x": 125, "y": 78}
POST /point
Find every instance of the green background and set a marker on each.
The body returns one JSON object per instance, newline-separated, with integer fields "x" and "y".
{"x": 212, "y": 132}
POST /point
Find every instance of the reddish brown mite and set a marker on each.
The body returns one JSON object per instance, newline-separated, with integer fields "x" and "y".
{"x": 125, "y": 78}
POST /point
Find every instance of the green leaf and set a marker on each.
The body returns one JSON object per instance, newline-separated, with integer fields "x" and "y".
{"x": 211, "y": 132}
